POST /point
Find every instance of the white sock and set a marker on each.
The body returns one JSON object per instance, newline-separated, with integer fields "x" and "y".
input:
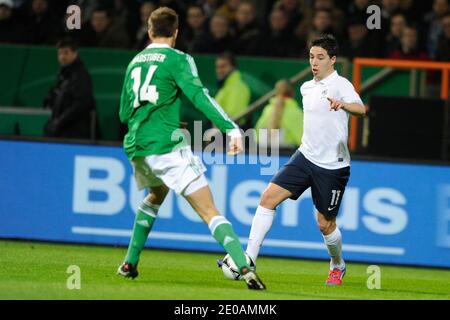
{"x": 334, "y": 245}
{"x": 262, "y": 222}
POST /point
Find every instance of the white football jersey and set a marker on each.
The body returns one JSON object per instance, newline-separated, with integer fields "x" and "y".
{"x": 325, "y": 132}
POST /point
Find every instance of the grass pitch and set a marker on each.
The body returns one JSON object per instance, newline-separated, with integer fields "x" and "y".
{"x": 31, "y": 270}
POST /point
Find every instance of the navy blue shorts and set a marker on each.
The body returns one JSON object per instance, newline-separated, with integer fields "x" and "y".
{"x": 327, "y": 186}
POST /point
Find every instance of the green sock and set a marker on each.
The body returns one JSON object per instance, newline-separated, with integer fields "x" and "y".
{"x": 143, "y": 223}
{"x": 223, "y": 232}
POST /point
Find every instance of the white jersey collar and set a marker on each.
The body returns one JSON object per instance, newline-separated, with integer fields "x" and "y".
{"x": 158, "y": 45}
{"x": 328, "y": 79}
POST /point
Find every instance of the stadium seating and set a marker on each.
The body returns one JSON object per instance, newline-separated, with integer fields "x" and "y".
{"x": 33, "y": 71}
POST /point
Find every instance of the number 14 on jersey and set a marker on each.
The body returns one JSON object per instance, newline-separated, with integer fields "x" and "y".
{"x": 146, "y": 92}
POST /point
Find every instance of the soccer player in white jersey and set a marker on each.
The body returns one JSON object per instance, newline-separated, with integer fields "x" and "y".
{"x": 322, "y": 161}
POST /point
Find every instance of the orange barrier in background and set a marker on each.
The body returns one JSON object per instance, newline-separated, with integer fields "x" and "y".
{"x": 358, "y": 63}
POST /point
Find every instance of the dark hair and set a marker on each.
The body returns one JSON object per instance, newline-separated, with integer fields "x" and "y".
{"x": 229, "y": 56}
{"x": 356, "y": 20}
{"x": 196, "y": 6}
{"x": 67, "y": 43}
{"x": 316, "y": 12}
{"x": 105, "y": 9}
{"x": 327, "y": 42}
{"x": 447, "y": 14}
{"x": 249, "y": 2}
{"x": 163, "y": 22}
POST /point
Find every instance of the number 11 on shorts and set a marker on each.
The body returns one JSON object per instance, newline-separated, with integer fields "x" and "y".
{"x": 335, "y": 197}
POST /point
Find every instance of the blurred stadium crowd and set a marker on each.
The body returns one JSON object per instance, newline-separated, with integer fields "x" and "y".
{"x": 410, "y": 29}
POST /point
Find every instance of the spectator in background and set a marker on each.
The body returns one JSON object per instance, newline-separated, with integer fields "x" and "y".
{"x": 195, "y": 27}
{"x": 126, "y": 15}
{"x": 443, "y": 50}
{"x": 282, "y": 113}
{"x": 303, "y": 28}
{"x": 180, "y": 6}
{"x": 228, "y": 10}
{"x": 359, "y": 42}
{"x": 102, "y": 31}
{"x": 358, "y": 8}
{"x": 71, "y": 100}
{"x": 87, "y": 8}
{"x": 407, "y": 6}
{"x": 234, "y": 94}
{"x": 218, "y": 39}
{"x": 409, "y": 46}
{"x": 433, "y": 27}
{"x": 324, "y": 4}
{"x": 416, "y": 10}
{"x": 388, "y": 9}
{"x": 321, "y": 24}
{"x": 293, "y": 9}
{"x": 279, "y": 41}
{"x": 410, "y": 49}
{"x": 248, "y": 33}
{"x": 11, "y": 28}
{"x": 209, "y": 7}
{"x": 337, "y": 15}
{"x": 142, "y": 39}
{"x": 392, "y": 42}
{"x": 43, "y": 28}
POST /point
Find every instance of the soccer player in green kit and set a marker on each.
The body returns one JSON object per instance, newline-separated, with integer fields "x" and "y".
{"x": 150, "y": 106}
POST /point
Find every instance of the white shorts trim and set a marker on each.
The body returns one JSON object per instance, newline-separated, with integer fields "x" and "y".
{"x": 176, "y": 170}
{"x": 195, "y": 185}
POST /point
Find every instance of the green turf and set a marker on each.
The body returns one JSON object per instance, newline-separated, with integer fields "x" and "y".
{"x": 32, "y": 270}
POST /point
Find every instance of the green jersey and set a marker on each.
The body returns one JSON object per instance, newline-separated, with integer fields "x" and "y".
{"x": 151, "y": 100}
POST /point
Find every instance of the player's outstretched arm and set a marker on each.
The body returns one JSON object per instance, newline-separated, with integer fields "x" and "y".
{"x": 189, "y": 82}
{"x": 355, "y": 109}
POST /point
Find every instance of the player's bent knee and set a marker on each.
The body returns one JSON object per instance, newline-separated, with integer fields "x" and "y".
{"x": 268, "y": 200}
{"x": 157, "y": 195}
{"x": 324, "y": 228}
{"x": 326, "y": 224}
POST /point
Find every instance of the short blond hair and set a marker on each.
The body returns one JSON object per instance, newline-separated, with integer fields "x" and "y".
{"x": 163, "y": 22}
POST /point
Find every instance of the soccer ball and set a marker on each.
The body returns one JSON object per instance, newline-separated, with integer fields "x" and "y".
{"x": 230, "y": 270}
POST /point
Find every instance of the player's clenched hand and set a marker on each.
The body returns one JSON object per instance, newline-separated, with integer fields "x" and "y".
{"x": 335, "y": 104}
{"x": 235, "y": 146}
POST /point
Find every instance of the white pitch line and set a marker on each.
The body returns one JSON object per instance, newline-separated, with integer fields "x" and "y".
{"x": 268, "y": 242}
